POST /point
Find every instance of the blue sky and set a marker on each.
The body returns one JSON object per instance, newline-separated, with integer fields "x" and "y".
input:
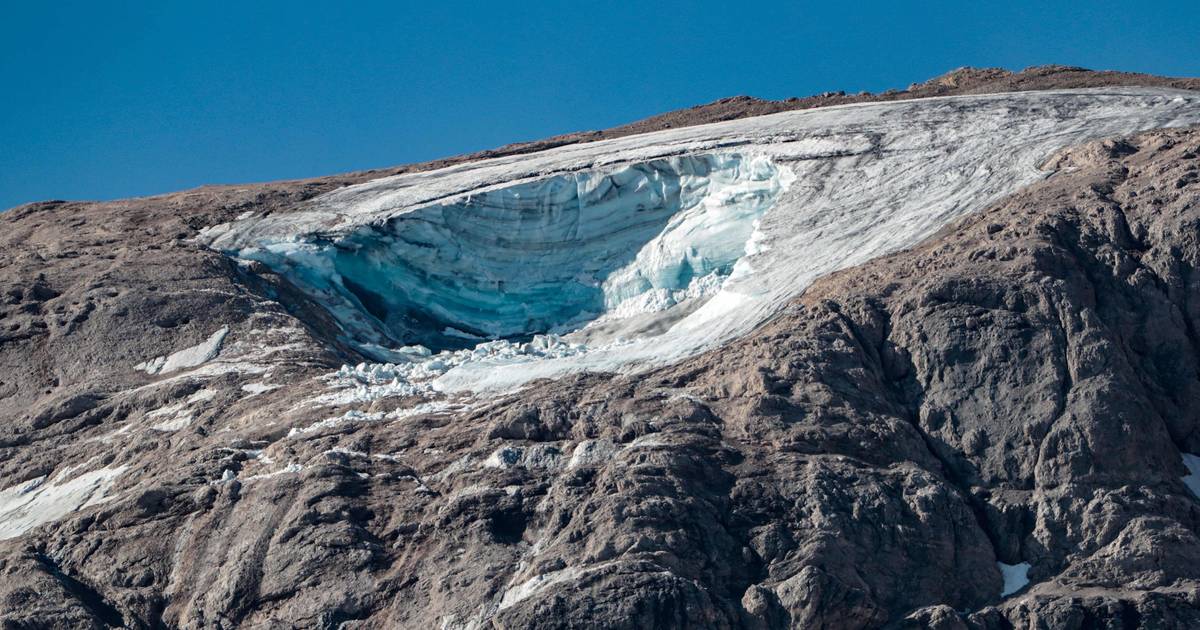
{"x": 114, "y": 99}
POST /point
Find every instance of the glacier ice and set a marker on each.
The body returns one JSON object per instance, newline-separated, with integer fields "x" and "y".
{"x": 544, "y": 256}
{"x": 636, "y": 252}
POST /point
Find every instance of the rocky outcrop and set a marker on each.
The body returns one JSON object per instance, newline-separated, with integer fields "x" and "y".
{"x": 1018, "y": 390}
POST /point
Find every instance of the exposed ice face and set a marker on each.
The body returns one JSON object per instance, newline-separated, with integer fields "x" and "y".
{"x": 652, "y": 248}
{"x": 542, "y": 256}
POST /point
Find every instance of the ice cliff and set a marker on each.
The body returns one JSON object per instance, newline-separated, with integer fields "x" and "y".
{"x": 543, "y": 256}
{"x": 643, "y": 250}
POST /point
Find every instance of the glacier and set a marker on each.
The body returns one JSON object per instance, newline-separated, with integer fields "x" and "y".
{"x": 636, "y": 252}
{"x": 537, "y": 257}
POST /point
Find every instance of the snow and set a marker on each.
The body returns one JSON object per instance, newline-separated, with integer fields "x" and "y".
{"x": 591, "y": 453}
{"x": 255, "y": 389}
{"x": 351, "y": 416}
{"x": 338, "y": 450}
{"x": 1192, "y": 479}
{"x": 535, "y": 456}
{"x": 180, "y": 416}
{"x": 181, "y": 421}
{"x": 514, "y": 594}
{"x": 524, "y": 590}
{"x": 290, "y": 469}
{"x": 1015, "y": 577}
{"x": 188, "y": 357}
{"x": 357, "y": 416}
{"x": 640, "y": 251}
{"x": 34, "y": 502}
{"x": 255, "y": 351}
{"x": 255, "y": 454}
{"x": 417, "y": 370}
{"x": 110, "y": 437}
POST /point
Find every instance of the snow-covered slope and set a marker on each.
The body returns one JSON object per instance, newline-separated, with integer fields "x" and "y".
{"x": 640, "y": 251}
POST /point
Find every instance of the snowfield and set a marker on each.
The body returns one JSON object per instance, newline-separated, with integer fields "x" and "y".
{"x": 637, "y": 252}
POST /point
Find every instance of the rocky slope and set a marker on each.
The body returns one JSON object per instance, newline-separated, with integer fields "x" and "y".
{"x": 1015, "y": 396}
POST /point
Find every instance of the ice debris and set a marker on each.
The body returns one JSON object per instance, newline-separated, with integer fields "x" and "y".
{"x": 417, "y": 368}
{"x": 357, "y": 416}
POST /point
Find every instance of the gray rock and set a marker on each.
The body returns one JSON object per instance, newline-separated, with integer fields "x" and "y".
{"x": 1018, "y": 389}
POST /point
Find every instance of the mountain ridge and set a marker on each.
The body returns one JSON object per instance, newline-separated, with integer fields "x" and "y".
{"x": 189, "y": 439}
{"x": 964, "y": 80}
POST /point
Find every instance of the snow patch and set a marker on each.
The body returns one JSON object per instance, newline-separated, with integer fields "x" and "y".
{"x": 180, "y": 417}
{"x": 515, "y": 594}
{"x": 109, "y": 437}
{"x": 356, "y": 416}
{"x": 591, "y": 453}
{"x": 1192, "y": 479}
{"x": 535, "y": 456}
{"x": 181, "y": 421}
{"x": 1015, "y": 577}
{"x": 338, "y": 450}
{"x": 290, "y": 469}
{"x": 188, "y": 357}
{"x": 34, "y": 502}
{"x": 255, "y": 389}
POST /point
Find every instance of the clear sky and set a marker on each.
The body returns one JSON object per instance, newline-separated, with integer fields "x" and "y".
{"x": 114, "y": 99}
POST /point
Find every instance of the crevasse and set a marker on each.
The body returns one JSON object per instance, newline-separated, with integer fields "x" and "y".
{"x": 542, "y": 256}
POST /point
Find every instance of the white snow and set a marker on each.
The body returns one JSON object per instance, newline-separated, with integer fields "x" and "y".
{"x": 181, "y": 421}
{"x": 255, "y": 389}
{"x": 255, "y": 351}
{"x": 109, "y": 437}
{"x": 1192, "y": 479}
{"x": 354, "y": 415}
{"x": 338, "y": 450}
{"x": 188, "y": 357}
{"x": 514, "y": 594}
{"x": 34, "y": 502}
{"x": 1015, "y": 577}
{"x": 537, "y": 583}
{"x": 534, "y": 456}
{"x": 644, "y": 250}
{"x": 591, "y": 453}
{"x": 290, "y": 469}
{"x": 180, "y": 416}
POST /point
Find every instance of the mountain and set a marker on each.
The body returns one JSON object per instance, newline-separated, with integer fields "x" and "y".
{"x": 926, "y": 358}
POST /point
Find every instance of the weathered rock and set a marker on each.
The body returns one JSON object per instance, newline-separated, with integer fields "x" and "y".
{"x": 1018, "y": 389}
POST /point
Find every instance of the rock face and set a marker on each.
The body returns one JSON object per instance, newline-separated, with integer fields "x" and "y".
{"x": 900, "y": 446}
